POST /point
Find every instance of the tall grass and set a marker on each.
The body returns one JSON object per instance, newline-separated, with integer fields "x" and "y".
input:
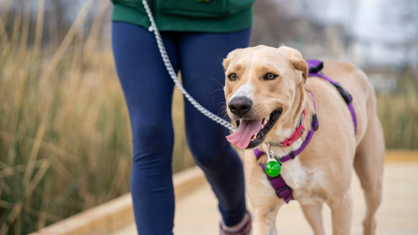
{"x": 398, "y": 113}
{"x": 65, "y": 142}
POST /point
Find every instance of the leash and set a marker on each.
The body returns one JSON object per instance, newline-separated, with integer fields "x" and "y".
{"x": 173, "y": 75}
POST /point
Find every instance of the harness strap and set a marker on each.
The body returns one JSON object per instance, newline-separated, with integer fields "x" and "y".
{"x": 315, "y": 125}
{"x": 315, "y": 67}
{"x": 283, "y": 191}
{"x": 305, "y": 143}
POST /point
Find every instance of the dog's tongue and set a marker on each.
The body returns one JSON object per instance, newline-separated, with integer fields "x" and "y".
{"x": 246, "y": 129}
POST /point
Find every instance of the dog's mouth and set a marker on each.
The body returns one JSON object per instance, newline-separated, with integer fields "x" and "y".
{"x": 251, "y": 133}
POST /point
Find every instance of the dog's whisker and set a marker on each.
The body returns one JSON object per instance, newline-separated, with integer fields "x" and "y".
{"x": 216, "y": 90}
{"x": 222, "y": 111}
{"x": 218, "y": 82}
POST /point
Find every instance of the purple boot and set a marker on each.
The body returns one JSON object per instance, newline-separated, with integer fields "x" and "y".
{"x": 245, "y": 229}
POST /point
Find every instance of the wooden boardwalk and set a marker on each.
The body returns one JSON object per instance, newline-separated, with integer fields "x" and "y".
{"x": 196, "y": 212}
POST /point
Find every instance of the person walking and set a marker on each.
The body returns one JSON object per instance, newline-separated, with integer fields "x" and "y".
{"x": 197, "y": 35}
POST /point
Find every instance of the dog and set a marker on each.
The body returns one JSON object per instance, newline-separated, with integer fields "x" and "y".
{"x": 267, "y": 89}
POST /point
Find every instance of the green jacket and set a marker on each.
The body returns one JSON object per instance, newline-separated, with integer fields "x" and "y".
{"x": 215, "y": 16}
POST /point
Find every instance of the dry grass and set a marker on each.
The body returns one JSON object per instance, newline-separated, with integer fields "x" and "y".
{"x": 399, "y": 114}
{"x": 65, "y": 142}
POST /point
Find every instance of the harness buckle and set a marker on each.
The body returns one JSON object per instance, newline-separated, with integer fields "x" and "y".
{"x": 346, "y": 96}
{"x": 315, "y": 122}
{"x": 315, "y": 66}
{"x": 284, "y": 194}
{"x": 292, "y": 155}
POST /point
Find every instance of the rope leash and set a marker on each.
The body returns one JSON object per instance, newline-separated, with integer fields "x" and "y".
{"x": 173, "y": 75}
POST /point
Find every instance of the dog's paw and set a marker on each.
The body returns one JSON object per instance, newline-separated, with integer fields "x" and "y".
{"x": 262, "y": 160}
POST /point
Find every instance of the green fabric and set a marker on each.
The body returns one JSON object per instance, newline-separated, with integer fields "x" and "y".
{"x": 216, "y": 16}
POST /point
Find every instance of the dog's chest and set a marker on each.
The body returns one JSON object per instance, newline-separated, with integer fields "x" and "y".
{"x": 306, "y": 183}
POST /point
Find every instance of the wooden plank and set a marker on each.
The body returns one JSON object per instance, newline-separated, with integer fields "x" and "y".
{"x": 187, "y": 180}
{"x": 401, "y": 156}
{"x": 117, "y": 212}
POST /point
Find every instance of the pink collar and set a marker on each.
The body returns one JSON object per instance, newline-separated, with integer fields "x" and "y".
{"x": 296, "y": 135}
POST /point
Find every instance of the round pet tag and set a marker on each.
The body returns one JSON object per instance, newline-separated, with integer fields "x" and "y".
{"x": 273, "y": 168}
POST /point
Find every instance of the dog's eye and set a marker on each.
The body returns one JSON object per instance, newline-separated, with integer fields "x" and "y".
{"x": 232, "y": 77}
{"x": 270, "y": 76}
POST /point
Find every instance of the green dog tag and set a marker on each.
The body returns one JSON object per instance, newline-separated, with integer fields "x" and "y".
{"x": 273, "y": 168}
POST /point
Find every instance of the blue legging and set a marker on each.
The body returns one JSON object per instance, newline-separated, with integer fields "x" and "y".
{"x": 148, "y": 91}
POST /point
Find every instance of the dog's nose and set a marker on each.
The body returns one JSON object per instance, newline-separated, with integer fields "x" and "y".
{"x": 240, "y": 105}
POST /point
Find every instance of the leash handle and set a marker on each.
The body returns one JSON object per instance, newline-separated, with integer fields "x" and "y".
{"x": 173, "y": 75}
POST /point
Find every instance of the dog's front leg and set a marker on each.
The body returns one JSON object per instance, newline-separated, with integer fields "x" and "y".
{"x": 265, "y": 219}
{"x": 263, "y": 198}
{"x": 342, "y": 211}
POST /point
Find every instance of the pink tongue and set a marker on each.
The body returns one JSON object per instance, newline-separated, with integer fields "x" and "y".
{"x": 246, "y": 130}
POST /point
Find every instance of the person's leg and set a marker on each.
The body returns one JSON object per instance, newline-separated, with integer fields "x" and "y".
{"x": 201, "y": 56}
{"x": 148, "y": 93}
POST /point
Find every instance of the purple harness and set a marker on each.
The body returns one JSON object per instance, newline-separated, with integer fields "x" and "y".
{"x": 315, "y": 67}
{"x": 283, "y": 191}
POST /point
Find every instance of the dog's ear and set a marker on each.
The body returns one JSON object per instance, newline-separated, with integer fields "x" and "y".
{"x": 229, "y": 57}
{"x": 295, "y": 58}
{"x": 300, "y": 64}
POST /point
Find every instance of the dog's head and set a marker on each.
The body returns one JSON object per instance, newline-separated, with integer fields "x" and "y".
{"x": 263, "y": 90}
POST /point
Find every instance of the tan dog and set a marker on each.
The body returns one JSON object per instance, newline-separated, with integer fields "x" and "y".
{"x": 262, "y": 80}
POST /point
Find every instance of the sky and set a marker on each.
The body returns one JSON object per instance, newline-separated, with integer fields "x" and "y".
{"x": 377, "y": 26}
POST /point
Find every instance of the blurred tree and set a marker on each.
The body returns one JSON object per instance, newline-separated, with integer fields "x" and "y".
{"x": 401, "y": 19}
{"x": 304, "y": 24}
{"x": 274, "y": 23}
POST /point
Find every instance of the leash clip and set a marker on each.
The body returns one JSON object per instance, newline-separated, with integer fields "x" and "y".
{"x": 271, "y": 156}
{"x": 270, "y": 153}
